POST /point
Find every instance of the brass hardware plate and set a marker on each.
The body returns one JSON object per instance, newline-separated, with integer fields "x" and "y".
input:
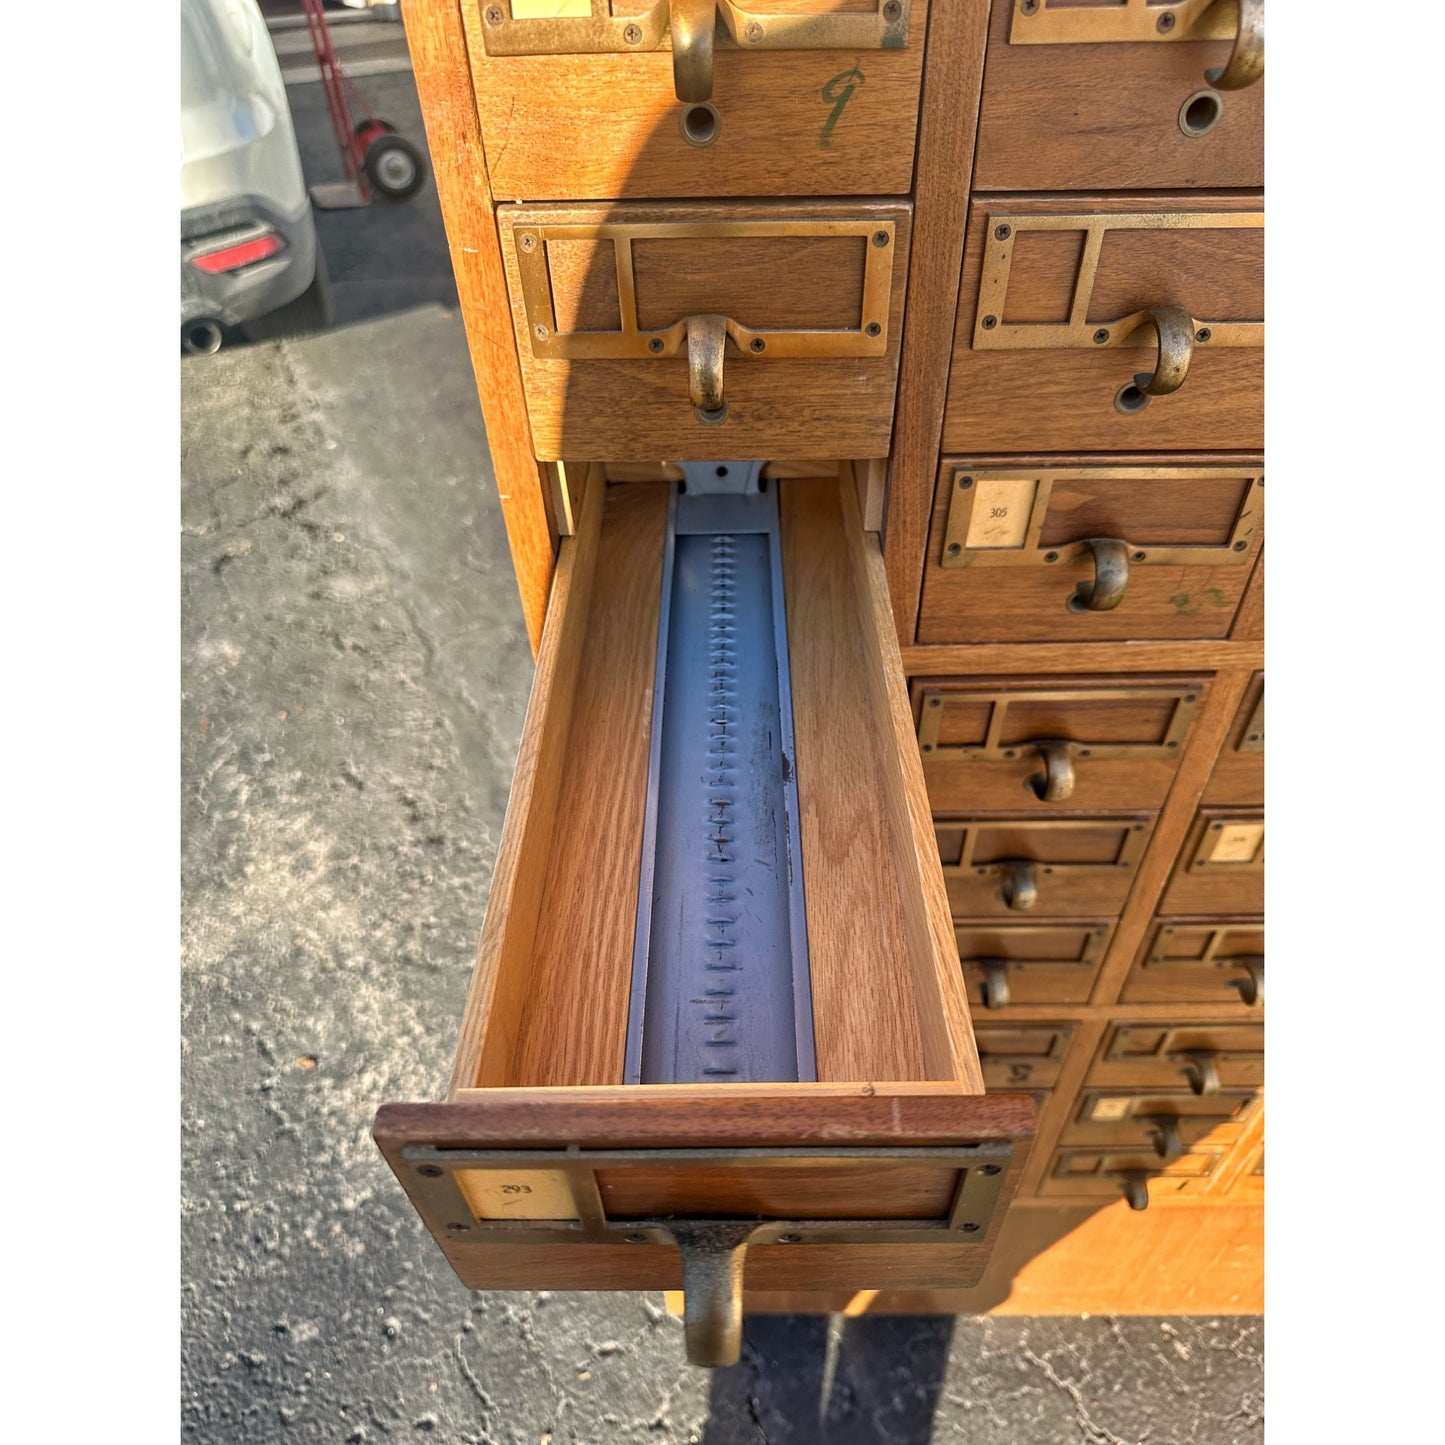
{"x": 993, "y": 750}
{"x": 1074, "y": 1164}
{"x": 529, "y": 242}
{"x": 1092, "y": 939}
{"x": 977, "y": 491}
{"x": 443, "y": 1183}
{"x": 1170, "y": 1043}
{"x": 1233, "y": 843}
{"x": 1253, "y": 739}
{"x": 1106, "y": 1106}
{"x": 513, "y": 27}
{"x": 1134, "y": 834}
{"x": 1223, "y": 946}
{"x": 1045, "y": 22}
{"x": 993, "y": 332}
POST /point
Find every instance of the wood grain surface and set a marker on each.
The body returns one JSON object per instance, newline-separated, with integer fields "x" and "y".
{"x": 602, "y": 127}
{"x": 1053, "y": 116}
{"x": 444, "y": 87}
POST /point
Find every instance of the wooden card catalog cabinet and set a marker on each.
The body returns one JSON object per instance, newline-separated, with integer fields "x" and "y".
{"x": 875, "y": 395}
{"x": 582, "y": 99}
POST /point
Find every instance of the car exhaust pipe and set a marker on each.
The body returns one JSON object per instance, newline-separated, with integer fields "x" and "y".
{"x": 201, "y": 338}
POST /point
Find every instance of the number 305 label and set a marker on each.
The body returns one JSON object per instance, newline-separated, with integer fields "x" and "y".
{"x": 1001, "y": 508}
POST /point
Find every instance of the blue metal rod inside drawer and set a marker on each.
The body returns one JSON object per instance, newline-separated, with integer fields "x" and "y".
{"x": 720, "y": 987}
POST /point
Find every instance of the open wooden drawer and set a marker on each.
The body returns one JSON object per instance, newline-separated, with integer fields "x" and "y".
{"x": 879, "y": 1163}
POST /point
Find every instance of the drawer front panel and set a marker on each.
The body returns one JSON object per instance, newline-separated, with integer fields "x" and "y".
{"x": 1091, "y": 744}
{"x": 1221, "y": 866}
{"x": 1208, "y": 960}
{"x": 1006, "y": 964}
{"x": 1055, "y": 868}
{"x": 691, "y": 333}
{"x": 1238, "y": 776}
{"x": 1168, "y": 1122}
{"x": 807, "y": 97}
{"x": 1090, "y": 1173}
{"x": 1022, "y": 1056}
{"x": 1090, "y": 553}
{"x": 1204, "y": 1058}
{"x": 1122, "y": 323}
{"x": 1106, "y": 93}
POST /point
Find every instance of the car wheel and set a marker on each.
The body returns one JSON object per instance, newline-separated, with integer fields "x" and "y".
{"x": 309, "y": 313}
{"x": 394, "y": 166}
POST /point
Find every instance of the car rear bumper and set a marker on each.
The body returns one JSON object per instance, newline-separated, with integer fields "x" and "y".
{"x": 234, "y": 297}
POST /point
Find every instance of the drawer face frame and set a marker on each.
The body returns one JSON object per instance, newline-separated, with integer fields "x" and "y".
{"x": 973, "y": 488}
{"x": 991, "y": 332}
{"x": 1046, "y": 979}
{"x": 596, "y": 31}
{"x": 1023, "y": 1069}
{"x": 532, "y": 239}
{"x": 1193, "y": 1057}
{"x": 1217, "y": 1124}
{"x": 1205, "y": 977}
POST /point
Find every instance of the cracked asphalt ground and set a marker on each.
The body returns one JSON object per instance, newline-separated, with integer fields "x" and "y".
{"x": 354, "y": 679}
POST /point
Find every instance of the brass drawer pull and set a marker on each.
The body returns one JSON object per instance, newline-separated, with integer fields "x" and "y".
{"x": 1136, "y": 1189}
{"x": 693, "y": 24}
{"x": 995, "y": 982}
{"x": 1202, "y": 1071}
{"x": 1246, "y": 60}
{"x": 1175, "y": 328}
{"x": 1020, "y": 885}
{"x": 1164, "y": 1136}
{"x": 1251, "y": 986}
{"x": 1056, "y": 783}
{"x": 1111, "y": 576}
{"x": 706, "y": 339}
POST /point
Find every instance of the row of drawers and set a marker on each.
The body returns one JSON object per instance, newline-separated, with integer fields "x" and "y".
{"x": 588, "y": 98}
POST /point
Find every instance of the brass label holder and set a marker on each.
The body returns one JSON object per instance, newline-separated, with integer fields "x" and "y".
{"x": 1233, "y": 845}
{"x": 994, "y": 750}
{"x": 632, "y": 342}
{"x": 1043, "y": 22}
{"x": 592, "y": 29}
{"x": 993, "y": 332}
{"x": 1027, "y": 492}
{"x": 712, "y": 1250}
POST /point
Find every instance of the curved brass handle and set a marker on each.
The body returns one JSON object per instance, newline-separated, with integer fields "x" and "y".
{"x": 712, "y": 1284}
{"x": 1202, "y": 1071}
{"x": 1246, "y": 60}
{"x": 1056, "y": 783}
{"x": 1136, "y": 1190}
{"x": 1251, "y": 986}
{"x": 1111, "y": 576}
{"x": 1174, "y": 327}
{"x": 706, "y": 338}
{"x": 1020, "y": 885}
{"x": 1164, "y": 1136}
{"x": 693, "y": 24}
{"x": 995, "y": 982}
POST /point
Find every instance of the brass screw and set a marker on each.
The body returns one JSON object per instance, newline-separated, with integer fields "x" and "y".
{"x": 1139, "y": 556}
{"x": 1241, "y": 546}
{"x": 970, "y": 1229}
{"x": 1203, "y": 334}
{"x": 892, "y": 10}
{"x": 1101, "y": 336}
{"x": 429, "y": 1171}
{"x": 989, "y": 322}
{"x": 954, "y": 548}
{"x": 790, "y": 1239}
{"x": 540, "y": 332}
{"x": 494, "y": 15}
{"x": 1165, "y": 23}
{"x": 655, "y": 344}
{"x": 1002, "y": 233}
{"x": 754, "y": 32}
{"x": 873, "y": 329}
{"x": 880, "y": 238}
{"x": 965, "y": 483}
{"x": 528, "y": 242}
{"x": 1030, "y": 7}
{"x": 458, "y": 1228}
{"x": 935, "y": 702}
{"x": 633, "y": 34}
{"x": 1051, "y": 556}
{"x": 989, "y": 1169}
{"x": 757, "y": 344}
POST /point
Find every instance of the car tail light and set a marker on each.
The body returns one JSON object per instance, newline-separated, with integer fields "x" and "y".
{"x": 239, "y": 253}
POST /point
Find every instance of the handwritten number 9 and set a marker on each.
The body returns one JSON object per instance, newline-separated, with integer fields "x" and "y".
{"x": 838, "y": 92}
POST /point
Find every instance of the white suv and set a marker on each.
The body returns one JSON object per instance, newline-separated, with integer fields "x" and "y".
{"x": 249, "y": 254}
